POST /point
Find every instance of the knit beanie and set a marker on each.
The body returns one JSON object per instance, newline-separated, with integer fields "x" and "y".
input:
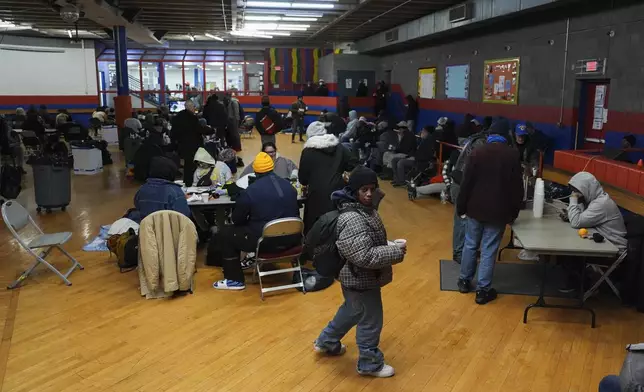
{"x": 361, "y": 176}
{"x": 263, "y": 163}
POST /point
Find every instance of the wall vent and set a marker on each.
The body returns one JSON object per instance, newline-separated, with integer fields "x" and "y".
{"x": 391, "y": 36}
{"x": 460, "y": 13}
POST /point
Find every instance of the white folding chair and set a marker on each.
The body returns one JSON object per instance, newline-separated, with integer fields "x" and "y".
{"x": 39, "y": 246}
{"x": 604, "y": 271}
{"x": 272, "y": 230}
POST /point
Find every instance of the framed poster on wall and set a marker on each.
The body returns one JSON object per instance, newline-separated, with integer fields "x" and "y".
{"x": 457, "y": 81}
{"x": 501, "y": 81}
{"x": 427, "y": 83}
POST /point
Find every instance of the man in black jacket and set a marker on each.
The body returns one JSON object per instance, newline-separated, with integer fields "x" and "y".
{"x": 267, "y": 121}
{"x": 405, "y": 148}
{"x": 490, "y": 198}
{"x": 187, "y": 134}
{"x": 422, "y": 158}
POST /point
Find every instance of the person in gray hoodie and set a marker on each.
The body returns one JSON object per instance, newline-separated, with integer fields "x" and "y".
{"x": 592, "y": 208}
{"x": 352, "y": 128}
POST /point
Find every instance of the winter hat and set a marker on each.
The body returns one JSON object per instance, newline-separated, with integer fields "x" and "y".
{"x": 496, "y": 139}
{"x": 520, "y": 130}
{"x": 402, "y": 124}
{"x": 263, "y": 163}
{"x": 316, "y": 128}
{"x": 361, "y": 176}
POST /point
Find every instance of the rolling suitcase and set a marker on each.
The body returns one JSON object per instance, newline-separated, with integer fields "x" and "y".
{"x": 52, "y": 186}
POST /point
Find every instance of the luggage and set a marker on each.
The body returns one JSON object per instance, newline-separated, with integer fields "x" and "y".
{"x": 126, "y": 248}
{"x": 10, "y": 181}
{"x": 52, "y": 186}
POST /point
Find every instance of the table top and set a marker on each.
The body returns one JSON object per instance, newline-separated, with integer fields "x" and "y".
{"x": 48, "y": 130}
{"x": 550, "y": 235}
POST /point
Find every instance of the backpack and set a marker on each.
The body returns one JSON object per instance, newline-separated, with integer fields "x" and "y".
{"x": 320, "y": 242}
{"x": 10, "y": 181}
{"x": 126, "y": 248}
{"x": 313, "y": 280}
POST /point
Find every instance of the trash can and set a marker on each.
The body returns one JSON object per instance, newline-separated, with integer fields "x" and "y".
{"x": 52, "y": 186}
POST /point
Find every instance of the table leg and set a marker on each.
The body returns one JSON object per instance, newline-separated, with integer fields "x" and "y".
{"x": 220, "y": 217}
{"x": 510, "y": 245}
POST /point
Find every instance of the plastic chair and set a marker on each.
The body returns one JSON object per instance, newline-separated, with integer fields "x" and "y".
{"x": 17, "y": 219}
{"x": 275, "y": 229}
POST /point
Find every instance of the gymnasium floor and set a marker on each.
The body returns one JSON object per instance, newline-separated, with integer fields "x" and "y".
{"x": 100, "y": 335}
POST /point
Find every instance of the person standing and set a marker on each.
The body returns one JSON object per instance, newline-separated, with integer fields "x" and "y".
{"x": 233, "y": 140}
{"x": 362, "y": 90}
{"x": 381, "y": 97}
{"x": 322, "y": 164}
{"x": 490, "y": 197}
{"x": 298, "y": 110}
{"x": 187, "y": 134}
{"x": 412, "y": 113}
{"x": 268, "y": 121}
{"x": 323, "y": 89}
{"x": 362, "y": 244}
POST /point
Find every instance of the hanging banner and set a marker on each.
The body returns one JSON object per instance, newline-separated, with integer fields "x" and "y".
{"x": 501, "y": 81}
{"x": 427, "y": 83}
{"x": 457, "y": 81}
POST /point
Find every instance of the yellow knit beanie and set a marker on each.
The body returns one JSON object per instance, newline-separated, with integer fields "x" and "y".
{"x": 263, "y": 163}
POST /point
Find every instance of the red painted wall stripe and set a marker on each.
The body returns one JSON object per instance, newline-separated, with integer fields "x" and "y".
{"x": 48, "y": 99}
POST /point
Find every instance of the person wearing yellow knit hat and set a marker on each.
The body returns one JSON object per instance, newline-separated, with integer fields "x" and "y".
{"x": 268, "y": 198}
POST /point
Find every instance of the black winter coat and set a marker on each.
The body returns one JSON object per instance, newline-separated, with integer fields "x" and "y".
{"x": 187, "y": 133}
{"x": 322, "y": 163}
{"x": 215, "y": 114}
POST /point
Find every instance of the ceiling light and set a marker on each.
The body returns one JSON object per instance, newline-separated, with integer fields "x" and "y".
{"x": 192, "y": 37}
{"x": 298, "y": 19}
{"x": 272, "y": 4}
{"x": 305, "y": 14}
{"x": 214, "y": 37}
{"x": 69, "y": 32}
{"x": 280, "y": 33}
{"x": 260, "y": 26}
{"x": 287, "y": 26}
{"x": 250, "y": 34}
{"x": 261, "y": 18}
{"x": 319, "y": 6}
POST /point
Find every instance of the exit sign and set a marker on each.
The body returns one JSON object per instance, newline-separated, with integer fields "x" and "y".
{"x": 592, "y": 66}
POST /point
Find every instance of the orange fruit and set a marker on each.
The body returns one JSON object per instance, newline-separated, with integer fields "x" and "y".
{"x": 583, "y": 232}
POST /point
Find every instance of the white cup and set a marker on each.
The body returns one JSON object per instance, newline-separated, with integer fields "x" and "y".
{"x": 205, "y": 197}
{"x": 400, "y": 243}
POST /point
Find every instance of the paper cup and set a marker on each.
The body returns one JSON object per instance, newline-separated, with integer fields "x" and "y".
{"x": 401, "y": 243}
{"x": 205, "y": 197}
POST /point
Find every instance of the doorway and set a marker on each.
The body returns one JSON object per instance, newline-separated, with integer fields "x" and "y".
{"x": 387, "y": 78}
{"x": 593, "y": 105}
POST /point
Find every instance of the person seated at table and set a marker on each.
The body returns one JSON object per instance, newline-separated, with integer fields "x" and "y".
{"x": 422, "y": 158}
{"x": 100, "y": 114}
{"x": 268, "y": 198}
{"x": 43, "y": 112}
{"x": 284, "y": 167}
{"x": 629, "y": 141}
{"x": 133, "y": 123}
{"x": 160, "y": 191}
{"x": 209, "y": 171}
{"x": 406, "y": 147}
{"x": 592, "y": 208}
{"x": 19, "y": 118}
{"x": 61, "y": 119}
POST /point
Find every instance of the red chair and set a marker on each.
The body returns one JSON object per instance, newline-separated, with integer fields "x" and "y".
{"x": 285, "y": 227}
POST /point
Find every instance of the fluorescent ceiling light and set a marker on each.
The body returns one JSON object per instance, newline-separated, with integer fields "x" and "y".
{"x": 286, "y": 26}
{"x": 250, "y": 34}
{"x": 192, "y": 37}
{"x": 214, "y": 37}
{"x": 318, "y": 6}
{"x": 298, "y": 19}
{"x": 267, "y": 4}
{"x": 261, "y": 18}
{"x": 260, "y": 26}
{"x": 304, "y": 14}
{"x": 69, "y": 32}
{"x": 280, "y": 33}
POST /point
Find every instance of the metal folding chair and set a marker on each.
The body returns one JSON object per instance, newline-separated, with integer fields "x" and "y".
{"x": 605, "y": 271}
{"x": 275, "y": 229}
{"x": 39, "y": 246}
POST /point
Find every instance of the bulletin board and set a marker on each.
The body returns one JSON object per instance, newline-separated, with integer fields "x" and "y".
{"x": 427, "y": 83}
{"x": 501, "y": 81}
{"x": 457, "y": 81}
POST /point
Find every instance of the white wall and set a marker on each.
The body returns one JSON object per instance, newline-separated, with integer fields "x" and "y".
{"x": 43, "y": 70}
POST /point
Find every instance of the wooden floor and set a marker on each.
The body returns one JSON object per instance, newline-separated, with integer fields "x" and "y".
{"x": 100, "y": 335}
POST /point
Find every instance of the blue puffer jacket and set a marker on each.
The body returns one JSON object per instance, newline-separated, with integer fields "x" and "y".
{"x": 158, "y": 194}
{"x": 269, "y": 197}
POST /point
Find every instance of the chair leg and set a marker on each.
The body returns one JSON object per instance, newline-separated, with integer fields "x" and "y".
{"x": 299, "y": 270}
{"x": 605, "y": 276}
{"x": 259, "y": 277}
{"x": 74, "y": 261}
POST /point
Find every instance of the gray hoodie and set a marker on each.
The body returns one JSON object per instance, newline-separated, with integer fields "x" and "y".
{"x": 600, "y": 212}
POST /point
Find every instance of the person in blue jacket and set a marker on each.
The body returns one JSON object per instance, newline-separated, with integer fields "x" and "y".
{"x": 268, "y": 198}
{"x": 159, "y": 191}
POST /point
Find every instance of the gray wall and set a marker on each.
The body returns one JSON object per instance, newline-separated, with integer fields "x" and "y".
{"x": 330, "y": 64}
{"x": 541, "y": 63}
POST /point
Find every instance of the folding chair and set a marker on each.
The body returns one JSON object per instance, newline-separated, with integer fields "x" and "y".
{"x": 605, "y": 271}
{"x": 275, "y": 229}
{"x": 17, "y": 218}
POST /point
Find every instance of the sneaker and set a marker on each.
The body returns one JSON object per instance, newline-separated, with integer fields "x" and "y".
{"x": 464, "y": 286}
{"x": 485, "y": 296}
{"x": 324, "y": 350}
{"x": 228, "y": 284}
{"x": 384, "y": 372}
{"x": 248, "y": 262}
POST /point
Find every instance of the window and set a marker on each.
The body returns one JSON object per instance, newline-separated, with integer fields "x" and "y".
{"x": 215, "y": 77}
{"x": 194, "y": 80}
{"x": 235, "y": 78}
{"x": 151, "y": 72}
{"x": 133, "y": 75}
{"x": 255, "y": 78}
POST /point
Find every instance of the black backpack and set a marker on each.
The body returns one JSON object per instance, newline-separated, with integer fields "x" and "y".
{"x": 10, "y": 181}
{"x": 320, "y": 243}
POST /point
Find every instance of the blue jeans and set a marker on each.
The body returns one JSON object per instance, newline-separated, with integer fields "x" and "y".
{"x": 610, "y": 384}
{"x": 364, "y": 309}
{"x": 458, "y": 237}
{"x": 488, "y": 238}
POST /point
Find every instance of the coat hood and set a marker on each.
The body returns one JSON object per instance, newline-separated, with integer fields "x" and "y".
{"x": 353, "y": 115}
{"x": 316, "y": 128}
{"x": 500, "y": 127}
{"x": 588, "y": 185}
{"x": 163, "y": 168}
{"x": 203, "y": 156}
{"x": 322, "y": 142}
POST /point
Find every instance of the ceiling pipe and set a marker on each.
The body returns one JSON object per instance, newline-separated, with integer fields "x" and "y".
{"x": 340, "y": 18}
{"x": 379, "y": 15}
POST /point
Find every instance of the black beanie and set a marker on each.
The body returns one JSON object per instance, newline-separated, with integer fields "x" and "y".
{"x": 361, "y": 176}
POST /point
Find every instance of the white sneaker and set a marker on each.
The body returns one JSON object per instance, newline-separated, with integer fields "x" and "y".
{"x": 386, "y": 371}
{"x": 324, "y": 350}
{"x": 228, "y": 284}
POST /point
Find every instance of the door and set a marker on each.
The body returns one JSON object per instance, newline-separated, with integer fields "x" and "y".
{"x": 593, "y": 103}
{"x": 348, "y": 82}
